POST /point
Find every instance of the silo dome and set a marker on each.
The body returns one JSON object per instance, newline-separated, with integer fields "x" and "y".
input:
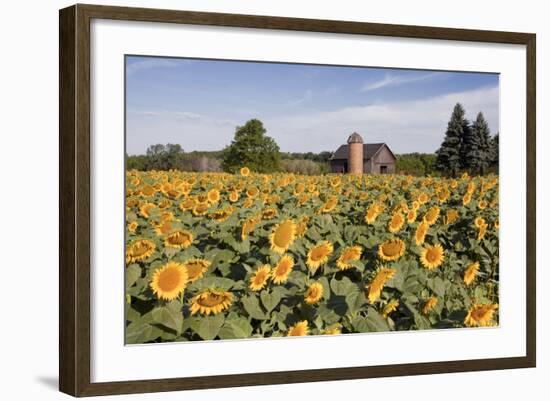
{"x": 355, "y": 138}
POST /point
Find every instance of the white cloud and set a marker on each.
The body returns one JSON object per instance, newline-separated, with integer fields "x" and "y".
{"x": 308, "y": 94}
{"x": 395, "y": 80}
{"x": 409, "y": 126}
{"x": 193, "y": 131}
{"x": 154, "y": 63}
{"x": 187, "y": 115}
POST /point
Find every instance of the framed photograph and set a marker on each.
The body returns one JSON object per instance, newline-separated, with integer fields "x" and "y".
{"x": 249, "y": 200}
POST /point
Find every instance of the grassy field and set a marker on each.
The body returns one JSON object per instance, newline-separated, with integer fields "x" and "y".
{"x": 222, "y": 256}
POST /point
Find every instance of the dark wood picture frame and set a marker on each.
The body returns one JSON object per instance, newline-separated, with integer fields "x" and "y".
{"x": 74, "y": 199}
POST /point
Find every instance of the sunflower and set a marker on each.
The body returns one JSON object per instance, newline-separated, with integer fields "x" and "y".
{"x": 252, "y": 192}
{"x": 329, "y": 205}
{"x": 132, "y": 202}
{"x": 482, "y": 204}
{"x": 432, "y": 215}
{"x": 164, "y": 228}
{"x": 299, "y": 188}
{"x": 372, "y": 213}
{"x": 132, "y": 226}
{"x": 396, "y": 222}
{"x": 479, "y": 221}
{"x": 390, "y": 307}
{"x": 169, "y": 281}
{"x": 466, "y": 199}
{"x": 234, "y": 196}
{"x": 411, "y": 216}
{"x": 173, "y": 193}
{"x": 222, "y": 214}
{"x": 301, "y": 227}
{"x": 146, "y": 208}
{"x": 282, "y": 269}
{"x": 347, "y": 255}
{"x": 403, "y": 207}
{"x": 200, "y": 209}
{"x": 497, "y": 223}
{"x": 429, "y": 305}
{"x": 480, "y": 315}
{"x": 167, "y": 216}
{"x": 164, "y": 204}
{"x": 269, "y": 213}
{"x": 260, "y": 277}
{"x": 299, "y": 329}
{"x": 180, "y": 239}
{"x": 283, "y": 236}
{"x": 318, "y": 255}
{"x": 196, "y": 268}
{"x": 423, "y": 198}
{"x": 139, "y": 251}
{"x": 248, "y": 226}
{"x": 147, "y": 190}
{"x": 432, "y": 256}
{"x": 451, "y": 215}
{"x": 303, "y": 198}
{"x": 314, "y": 293}
{"x": 187, "y": 204}
{"x": 420, "y": 233}
{"x": 391, "y": 249}
{"x": 375, "y": 287}
{"x": 211, "y": 301}
{"x": 470, "y": 273}
{"x": 482, "y": 231}
{"x": 443, "y": 194}
{"x": 333, "y": 329}
{"x": 213, "y": 195}
{"x": 245, "y": 171}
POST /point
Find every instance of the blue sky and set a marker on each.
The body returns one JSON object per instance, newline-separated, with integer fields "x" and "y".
{"x": 198, "y": 103}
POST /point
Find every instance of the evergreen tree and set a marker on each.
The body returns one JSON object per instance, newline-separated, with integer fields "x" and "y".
{"x": 253, "y": 149}
{"x": 485, "y": 139}
{"x": 469, "y": 149}
{"x": 494, "y": 150}
{"x": 476, "y": 147}
{"x": 448, "y": 156}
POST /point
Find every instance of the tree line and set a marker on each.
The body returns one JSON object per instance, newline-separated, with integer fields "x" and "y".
{"x": 173, "y": 157}
{"x": 250, "y": 147}
{"x": 467, "y": 146}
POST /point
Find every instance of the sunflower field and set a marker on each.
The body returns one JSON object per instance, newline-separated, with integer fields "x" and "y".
{"x": 225, "y": 256}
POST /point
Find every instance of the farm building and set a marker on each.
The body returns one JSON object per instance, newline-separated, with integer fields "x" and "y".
{"x": 357, "y": 157}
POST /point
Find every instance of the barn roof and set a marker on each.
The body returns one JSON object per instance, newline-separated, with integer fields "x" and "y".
{"x": 369, "y": 150}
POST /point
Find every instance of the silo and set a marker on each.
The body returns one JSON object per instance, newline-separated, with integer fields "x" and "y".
{"x": 355, "y": 154}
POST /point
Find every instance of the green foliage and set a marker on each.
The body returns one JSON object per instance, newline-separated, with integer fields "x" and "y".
{"x": 476, "y": 152}
{"x": 467, "y": 147}
{"x": 272, "y": 310}
{"x": 253, "y": 149}
{"x": 164, "y": 157}
{"x": 322, "y": 157}
{"x": 494, "y": 149}
{"x": 173, "y": 157}
{"x": 418, "y": 164}
{"x": 303, "y": 166}
{"x": 448, "y": 156}
{"x": 207, "y": 327}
